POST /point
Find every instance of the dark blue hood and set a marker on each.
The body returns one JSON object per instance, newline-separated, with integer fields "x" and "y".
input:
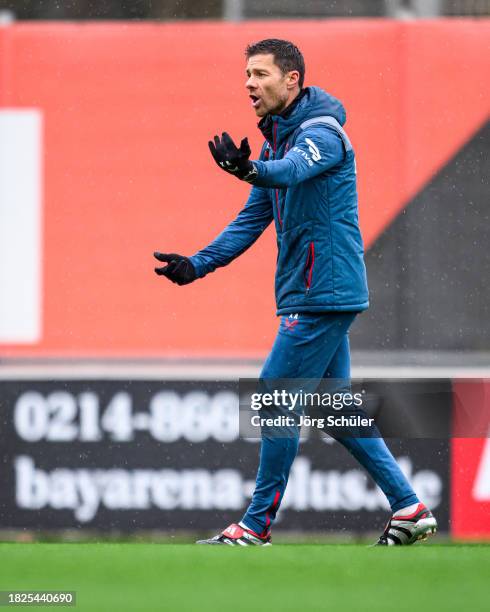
{"x": 315, "y": 102}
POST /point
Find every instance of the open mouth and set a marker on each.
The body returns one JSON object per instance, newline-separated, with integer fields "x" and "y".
{"x": 255, "y": 100}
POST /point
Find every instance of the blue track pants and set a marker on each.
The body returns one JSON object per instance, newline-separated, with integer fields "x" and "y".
{"x": 315, "y": 346}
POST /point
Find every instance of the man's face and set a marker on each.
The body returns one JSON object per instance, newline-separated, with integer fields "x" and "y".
{"x": 268, "y": 88}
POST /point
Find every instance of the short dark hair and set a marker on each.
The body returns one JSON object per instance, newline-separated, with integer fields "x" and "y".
{"x": 287, "y": 56}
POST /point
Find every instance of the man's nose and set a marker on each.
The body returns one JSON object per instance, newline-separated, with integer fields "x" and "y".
{"x": 250, "y": 84}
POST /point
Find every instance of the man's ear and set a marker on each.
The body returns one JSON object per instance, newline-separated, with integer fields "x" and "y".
{"x": 292, "y": 79}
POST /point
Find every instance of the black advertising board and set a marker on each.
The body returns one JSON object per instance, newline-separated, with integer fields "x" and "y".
{"x": 137, "y": 455}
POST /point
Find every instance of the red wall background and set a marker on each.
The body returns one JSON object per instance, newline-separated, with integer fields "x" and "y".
{"x": 128, "y": 111}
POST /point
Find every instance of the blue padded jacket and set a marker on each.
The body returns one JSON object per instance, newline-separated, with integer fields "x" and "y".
{"x": 306, "y": 183}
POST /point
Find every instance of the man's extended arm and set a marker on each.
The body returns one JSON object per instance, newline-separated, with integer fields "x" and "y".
{"x": 238, "y": 236}
{"x": 316, "y": 150}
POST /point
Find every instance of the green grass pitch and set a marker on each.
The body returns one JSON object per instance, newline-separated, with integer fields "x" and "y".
{"x": 135, "y": 576}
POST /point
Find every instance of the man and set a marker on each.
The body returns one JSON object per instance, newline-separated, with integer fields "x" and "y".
{"x": 304, "y": 181}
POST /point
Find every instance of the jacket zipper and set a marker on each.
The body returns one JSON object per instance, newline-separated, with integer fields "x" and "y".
{"x": 274, "y": 144}
{"x": 310, "y": 262}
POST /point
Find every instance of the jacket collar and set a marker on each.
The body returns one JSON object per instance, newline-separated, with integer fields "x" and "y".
{"x": 311, "y": 102}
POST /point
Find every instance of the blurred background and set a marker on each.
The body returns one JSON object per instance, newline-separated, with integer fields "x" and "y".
{"x": 243, "y": 9}
{"x": 110, "y": 376}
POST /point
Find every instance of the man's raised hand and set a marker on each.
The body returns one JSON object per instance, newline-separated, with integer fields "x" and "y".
{"x": 179, "y": 269}
{"x": 233, "y": 159}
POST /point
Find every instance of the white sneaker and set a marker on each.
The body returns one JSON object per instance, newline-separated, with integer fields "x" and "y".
{"x": 408, "y": 529}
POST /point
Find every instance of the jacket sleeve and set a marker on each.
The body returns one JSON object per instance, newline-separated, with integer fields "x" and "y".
{"x": 238, "y": 236}
{"x": 317, "y": 149}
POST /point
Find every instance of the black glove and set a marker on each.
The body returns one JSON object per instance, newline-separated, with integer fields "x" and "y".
{"x": 233, "y": 159}
{"x": 179, "y": 269}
